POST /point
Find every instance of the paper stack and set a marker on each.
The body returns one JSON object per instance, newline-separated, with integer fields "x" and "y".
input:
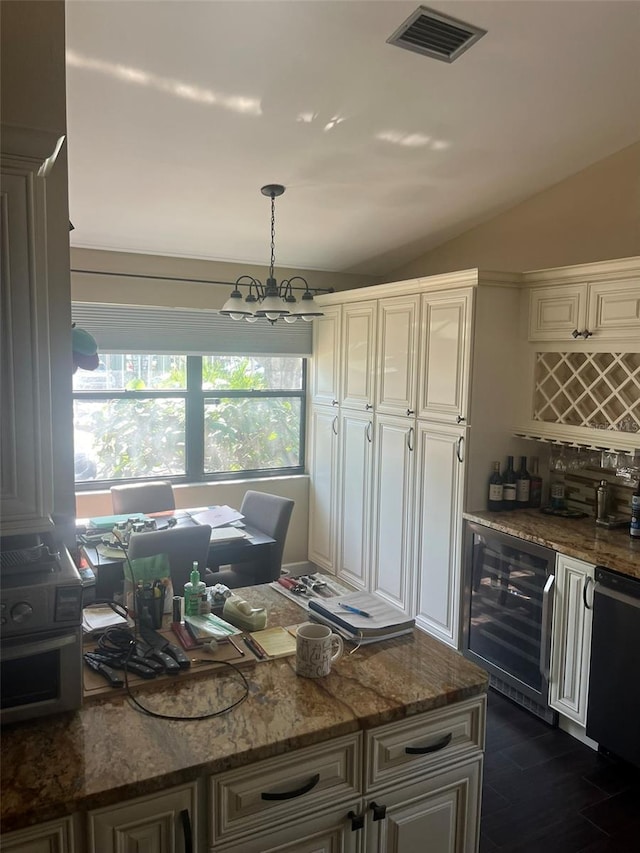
{"x": 361, "y": 617}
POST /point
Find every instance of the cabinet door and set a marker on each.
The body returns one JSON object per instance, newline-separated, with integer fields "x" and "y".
{"x": 358, "y": 353}
{"x": 442, "y": 813}
{"x": 325, "y": 364}
{"x": 571, "y": 638}
{"x": 445, "y": 332}
{"x": 354, "y": 513}
{"x": 397, "y": 355}
{"x": 440, "y": 477}
{"x": 614, "y": 310}
{"x": 162, "y": 823}
{"x": 392, "y": 516}
{"x": 26, "y": 473}
{"x": 56, "y": 836}
{"x": 323, "y": 486}
{"x": 556, "y": 311}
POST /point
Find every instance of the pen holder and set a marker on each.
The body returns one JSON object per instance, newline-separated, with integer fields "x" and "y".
{"x": 150, "y": 605}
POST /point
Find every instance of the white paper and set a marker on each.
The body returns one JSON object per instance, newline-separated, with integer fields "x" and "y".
{"x": 217, "y": 516}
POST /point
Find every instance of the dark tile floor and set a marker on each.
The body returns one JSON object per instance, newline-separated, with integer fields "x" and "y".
{"x": 545, "y": 792}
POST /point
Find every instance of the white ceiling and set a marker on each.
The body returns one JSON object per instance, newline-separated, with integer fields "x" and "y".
{"x": 178, "y": 112}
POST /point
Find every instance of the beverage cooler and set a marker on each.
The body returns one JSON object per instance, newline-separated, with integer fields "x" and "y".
{"x": 507, "y": 614}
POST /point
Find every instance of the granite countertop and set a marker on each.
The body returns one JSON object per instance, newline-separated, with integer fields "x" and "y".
{"x": 581, "y": 538}
{"x": 108, "y": 751}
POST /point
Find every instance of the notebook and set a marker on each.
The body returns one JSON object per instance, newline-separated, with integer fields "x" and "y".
{"x": 381, "y": 622}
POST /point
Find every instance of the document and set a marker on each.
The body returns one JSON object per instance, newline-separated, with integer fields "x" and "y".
{"x": 216, "y": 516}
{"x": 363, "y": 614}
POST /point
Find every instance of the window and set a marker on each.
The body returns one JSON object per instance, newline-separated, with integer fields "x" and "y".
{"x": 190, "y": 418}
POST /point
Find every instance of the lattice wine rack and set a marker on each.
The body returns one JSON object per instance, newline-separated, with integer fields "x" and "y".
{"x": 588, "y": 389}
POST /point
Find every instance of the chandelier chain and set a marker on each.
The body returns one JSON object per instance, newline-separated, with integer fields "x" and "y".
{"x": 273, "y": 234}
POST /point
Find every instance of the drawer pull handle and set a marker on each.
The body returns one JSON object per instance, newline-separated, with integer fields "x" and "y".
{"x": 290, "y": 795}
{"x": 423, "y": 750}
{"x": 357, "y": 821}
{"x": 379, "y": 812}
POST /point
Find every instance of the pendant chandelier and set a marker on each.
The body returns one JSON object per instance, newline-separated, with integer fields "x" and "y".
{"x": 271, "y": 301}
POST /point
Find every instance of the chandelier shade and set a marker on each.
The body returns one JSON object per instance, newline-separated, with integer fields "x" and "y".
{"x": 271, "y": 301}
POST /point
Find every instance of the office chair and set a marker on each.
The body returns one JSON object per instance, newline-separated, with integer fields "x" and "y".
{"x": 143, "y": 497}
{"x": 182, "y": 545}
{"x": 270, "y": 514}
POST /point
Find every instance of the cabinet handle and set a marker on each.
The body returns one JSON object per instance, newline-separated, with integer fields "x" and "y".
{"x": 379, "y": 812}
{"x": 435, "y": 747}
{"x": 357, "y": 821}
{"x": 368, "y": 407}
{"x": 291, "y": 795}
{"x": 334, "y": 425}
{"x": 334, "y": 403}
{"x": 545, "y": 639}
{"x": 410, "y": 439}
{"x": 459, "y": 419}
{"x": 185, "y": 819}
{"x": 369, "y": 425}
{"x": 459, "y": 446}
{"x": 587, "y": 334}
{"x": 411, "y": 411}
{"x": 587, "y": 581}
{"x": 576, "y": 334}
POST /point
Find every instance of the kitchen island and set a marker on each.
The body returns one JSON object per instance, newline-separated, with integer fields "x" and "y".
{"x": 410, "y": 691}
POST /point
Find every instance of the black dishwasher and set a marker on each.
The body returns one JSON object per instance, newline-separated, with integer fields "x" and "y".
{"x": 613, "y": 715}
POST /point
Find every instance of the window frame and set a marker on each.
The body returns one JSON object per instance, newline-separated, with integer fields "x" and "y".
{"x": 195, "y": 398}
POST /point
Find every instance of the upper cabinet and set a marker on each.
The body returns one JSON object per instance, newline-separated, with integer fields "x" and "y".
{"x": 26, "y": 473}
{"x": 603, "y": 303}
{"x": 398, "y": 326}
{"x": 325, "y": 366}
{"x": 358, "y": 355}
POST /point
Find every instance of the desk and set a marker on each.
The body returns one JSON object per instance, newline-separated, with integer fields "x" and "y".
{"x": 109, "y": 570}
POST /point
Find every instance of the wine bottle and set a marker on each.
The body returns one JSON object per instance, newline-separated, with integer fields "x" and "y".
{"x": 535, "y": 493}
{"x": 509, "y": 486}
{"x": 634, "y": 527}
{"x": 523, "y": 484}
{"x": 496, "y": 489}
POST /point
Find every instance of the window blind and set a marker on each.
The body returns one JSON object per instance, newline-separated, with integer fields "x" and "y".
{"x": 148, "y": 329}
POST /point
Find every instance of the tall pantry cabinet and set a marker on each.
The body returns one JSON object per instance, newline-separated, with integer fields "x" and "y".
{"x": 421, "y": 405}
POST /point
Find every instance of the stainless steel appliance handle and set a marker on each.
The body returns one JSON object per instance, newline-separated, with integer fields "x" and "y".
{"x": 27, "y": 649}
{"x": 545, "y": 635}
{"x": 617, "y": 596}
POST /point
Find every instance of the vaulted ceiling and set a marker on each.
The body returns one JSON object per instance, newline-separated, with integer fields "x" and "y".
{"x": 179, "y": 112}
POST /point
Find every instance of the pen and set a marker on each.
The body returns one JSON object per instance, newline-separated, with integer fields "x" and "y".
{"x": 252, "y": 647}
{"x": 354, "y": 610}
{"x": 236, "y": 646}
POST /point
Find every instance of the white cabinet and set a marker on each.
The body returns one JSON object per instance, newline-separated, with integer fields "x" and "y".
{"x": 392, "y": 512}
{"x": 163, "y": 823}
{"x": 446, "y": 336}
{"x": 26, "y": 474}
{"x": 571, "y": 638}
{"x": 358, "y": 355}
{"x": 439, "y": 490}
{"x": 325, "y": 366}
{"x": 323, "y": 487}
{"x": 355, "y": 478}
{"x": 398, "y": 327}
{"x": 56, "y": 836}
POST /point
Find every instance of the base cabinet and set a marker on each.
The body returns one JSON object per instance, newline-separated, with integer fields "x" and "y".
{"x": 56, "y": 836}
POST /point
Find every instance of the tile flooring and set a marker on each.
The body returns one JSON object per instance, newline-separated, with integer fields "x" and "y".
{"x": 545, "y": 792}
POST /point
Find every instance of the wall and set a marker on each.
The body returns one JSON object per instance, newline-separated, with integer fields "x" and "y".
{"x": 33, "y": 95}
{"x": 592, "y": 216}
{"x": 93, "y": 504}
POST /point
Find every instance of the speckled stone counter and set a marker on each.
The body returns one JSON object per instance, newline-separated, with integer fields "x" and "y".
{"x": 109, "y": 752}
{"x": 580, "y": 538}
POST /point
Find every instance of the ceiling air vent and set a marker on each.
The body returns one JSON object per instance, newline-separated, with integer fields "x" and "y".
{"x": 435, "y": 34}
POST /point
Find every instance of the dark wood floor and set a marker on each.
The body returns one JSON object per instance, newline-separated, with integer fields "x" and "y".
{"x": 545, "y": 792}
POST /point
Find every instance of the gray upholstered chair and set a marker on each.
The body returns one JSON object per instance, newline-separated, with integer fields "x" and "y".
{"x": 270, "y": 514}
{"x": 142, "y": 497}
{"x": 182, "y": 545}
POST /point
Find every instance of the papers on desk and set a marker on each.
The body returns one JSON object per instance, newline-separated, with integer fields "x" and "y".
{"x": 227, "y": 534}
{"x": 98, "y": 618}
{"x": 216, "y": 516}
{"x": 381, "y": 622}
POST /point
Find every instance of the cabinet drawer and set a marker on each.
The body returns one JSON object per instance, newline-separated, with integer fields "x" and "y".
{"x": 421, "y": 743}
{"x": 280, "y": 789}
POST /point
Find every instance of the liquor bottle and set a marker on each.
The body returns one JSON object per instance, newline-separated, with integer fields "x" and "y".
{"x": 494, "y": 503}
{"x": 535, "y": 493}
{"x": 523, "y": 485}
{"x": 509, "y": 486}
{"x": 634, "y": 527}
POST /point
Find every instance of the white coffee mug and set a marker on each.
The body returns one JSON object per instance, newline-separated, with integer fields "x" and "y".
{"x": 317, "y": 647}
